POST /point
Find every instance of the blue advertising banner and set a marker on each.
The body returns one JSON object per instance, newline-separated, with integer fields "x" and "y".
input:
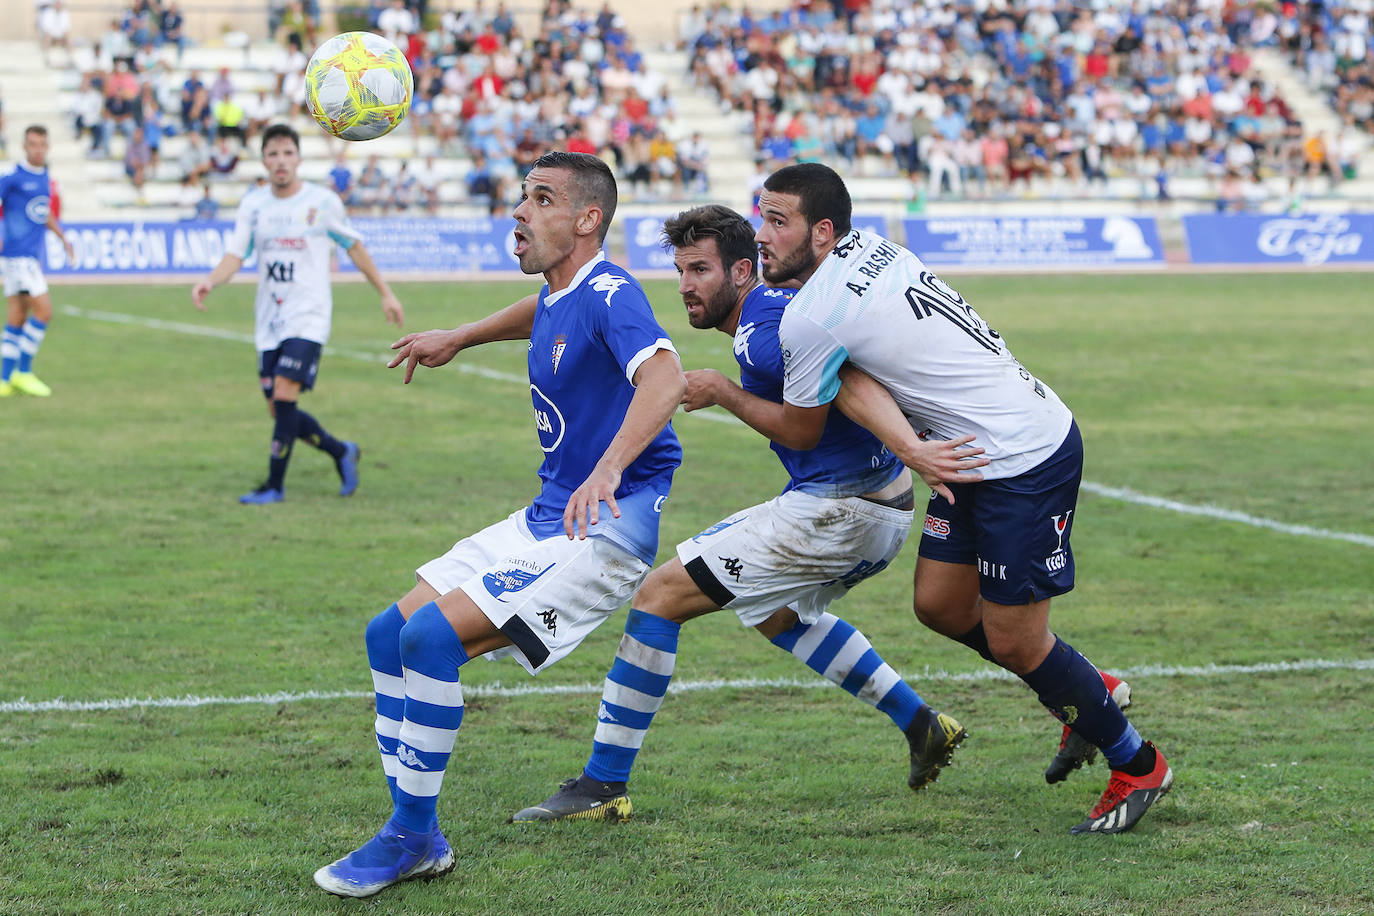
{"x": 644, "y": 243}
{"x": 136, "y": 248}
{"x": 193, "y": 247}
{"x": 1256, "y": 238}
{"x": 1032, "y": 241}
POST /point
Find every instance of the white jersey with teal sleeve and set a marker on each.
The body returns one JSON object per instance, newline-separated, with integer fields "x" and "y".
{"x": 875, "y": 304}
{"x": 292, "y": 237}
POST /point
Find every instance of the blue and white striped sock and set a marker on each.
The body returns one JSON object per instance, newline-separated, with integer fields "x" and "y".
{"x": 431, "y": 655}
{"x": 383, "y": 637}
{"x": 9, "y": 351}
{"x": 841, "y": 654}
{"x": 29, "y": 342}
{"x": 633, "y": 692}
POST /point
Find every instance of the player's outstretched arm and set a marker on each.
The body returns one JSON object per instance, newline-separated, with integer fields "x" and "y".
{"x": 435, "y": 348}
{"x": 659, "y": 387}
{"x": 939, "y": 461}
{"x": 391, "y": 306}
{"x": 779, "y": 422}
{"x": 226, "y": 268}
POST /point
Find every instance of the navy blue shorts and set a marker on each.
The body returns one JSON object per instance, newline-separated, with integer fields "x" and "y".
{"x": 296, "y": 359}
{"x": 1015, "y": 531}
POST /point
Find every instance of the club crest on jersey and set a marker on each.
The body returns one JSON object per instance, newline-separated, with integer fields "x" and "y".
{"x": 560, "y": 343}
{"x": 608, "y": 284}
{"x": 310, "y": 216}
{"x": 514, "y": 579}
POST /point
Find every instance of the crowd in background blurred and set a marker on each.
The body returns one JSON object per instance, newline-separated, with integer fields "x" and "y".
{"x": 967, "y": 97}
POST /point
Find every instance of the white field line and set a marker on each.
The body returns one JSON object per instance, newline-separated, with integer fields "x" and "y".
{"x": 1121, "y": 494}
{"x": 543, "y": 690}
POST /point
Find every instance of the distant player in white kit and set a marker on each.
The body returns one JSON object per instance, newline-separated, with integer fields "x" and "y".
{"x": 993, "y": 553}
{"x": 293, "y": 225}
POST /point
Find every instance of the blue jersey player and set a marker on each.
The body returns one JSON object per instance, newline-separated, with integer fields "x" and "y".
{"x": 843, "y": 516}
{"x": 24, "y": 195}
{"x": 605, "y": 380}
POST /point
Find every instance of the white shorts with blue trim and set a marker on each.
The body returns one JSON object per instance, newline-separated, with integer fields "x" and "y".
{"x": 23, "y": 275}
{"x": 796, "y": 550}
{"x": 546, "y": 595}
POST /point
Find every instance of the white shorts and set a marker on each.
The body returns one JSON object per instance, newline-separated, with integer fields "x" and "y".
{"x": 23, "y": 275}
{"x": 545, "y": 596}
{"x": 795, "y": 550}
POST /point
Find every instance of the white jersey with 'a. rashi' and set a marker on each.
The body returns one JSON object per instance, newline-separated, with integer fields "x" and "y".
{"x": 875, "y": 304}
{"x": 292, "y": 237}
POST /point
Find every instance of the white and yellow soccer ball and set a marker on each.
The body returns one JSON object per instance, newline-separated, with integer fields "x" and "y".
{"x": 358, "y": 86}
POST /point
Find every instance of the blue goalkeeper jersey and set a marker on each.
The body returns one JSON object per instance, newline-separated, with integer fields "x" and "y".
{"x": 586, "y": 344}
{"x": 24, "y": 195}
{"x": 849, "y": 460}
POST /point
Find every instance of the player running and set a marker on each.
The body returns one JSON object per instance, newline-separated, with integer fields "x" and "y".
{"x": 993, "y": 553}
{"x": 843, "y": 516}
{"x": 605, "y": 380}
{"x": 24, "y": 195}
{"x": 292, "y": 225}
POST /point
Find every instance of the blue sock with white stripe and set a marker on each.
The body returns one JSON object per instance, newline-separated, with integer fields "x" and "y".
{"x": 29, "y": 342}
{"x": 431, "y": 655}
{"x": 383, "y": 638}
{"x": 1071, "y": 688}
{"x": 9, "y": 351}
{"x": 836, "y": 651}
{"x": 633, "y": 692}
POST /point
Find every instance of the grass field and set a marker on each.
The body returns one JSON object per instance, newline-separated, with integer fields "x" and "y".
{"x": 127, "y": 570}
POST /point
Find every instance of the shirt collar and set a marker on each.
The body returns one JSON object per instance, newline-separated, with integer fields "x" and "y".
{"x": 577, "y": 279}
{"x": 30, "y": 169}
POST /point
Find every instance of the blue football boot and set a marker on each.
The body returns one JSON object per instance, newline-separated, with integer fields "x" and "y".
{"x": 390, "y": 857}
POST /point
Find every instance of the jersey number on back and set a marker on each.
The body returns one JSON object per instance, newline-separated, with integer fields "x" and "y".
{"x": 933, "y": 297}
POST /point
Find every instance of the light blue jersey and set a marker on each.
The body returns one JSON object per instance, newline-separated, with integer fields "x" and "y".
{"x": 24, "y": 195}
{"x": 848, "y": 461}
{"x": 586, "y": 344}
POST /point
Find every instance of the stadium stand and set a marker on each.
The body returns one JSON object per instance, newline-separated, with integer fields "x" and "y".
{"x": 949, "y": 103}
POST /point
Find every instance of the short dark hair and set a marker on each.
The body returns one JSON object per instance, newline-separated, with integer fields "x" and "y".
{"x": 593, "y": 182}
{"x": 38, "y": 129}
{"x": 733, "y": 233}
{"x": 820, "y": 190}
{"x": 281, "y": 130}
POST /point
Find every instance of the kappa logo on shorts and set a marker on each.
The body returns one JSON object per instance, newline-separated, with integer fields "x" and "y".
{"x": 550, "y": 618}
{"x": 732, "y": 566}
{"x": 936, "y": 527}
{"x": 512, "y": 580}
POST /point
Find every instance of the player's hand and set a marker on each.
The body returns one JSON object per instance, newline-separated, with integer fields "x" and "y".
{"x": 71, "y": 252}
{"x": 701, "y": 389}
{"x": 584, "y": 506}
{"x": 942, "y": 461}
{"x": 199, "y": 292}
{"x": 425, "y": 348}
{"x": 391, "y": 307}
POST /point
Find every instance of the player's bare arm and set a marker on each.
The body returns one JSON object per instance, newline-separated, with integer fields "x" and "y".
{"x": 391, "y": 306}
{"x": 435, "y": 348}
{"x": 659, "y": 387}
{"x": 226, "y": 268}
{"x": 939, "y": 462}
{"x": 56, "y": 230}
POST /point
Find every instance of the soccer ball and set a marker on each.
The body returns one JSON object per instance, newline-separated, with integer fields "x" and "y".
{"x": 358, "y": 86}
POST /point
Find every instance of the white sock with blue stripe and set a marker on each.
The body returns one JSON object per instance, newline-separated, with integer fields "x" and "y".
{"x": 431, "y": 655}
{"x": 838, "y": 652}
{"x": 383, "y": 637}
{"x": 9, "y": 351}
{"x": 633, "y": 692}
{"x": 29, "y": 342}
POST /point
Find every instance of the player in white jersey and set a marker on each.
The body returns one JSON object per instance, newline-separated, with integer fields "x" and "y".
{"x": 844, "y": 515}
{"x": 293, "y": 226}
{"x": 993, "y": 552}
{"x": 604, "y": 382}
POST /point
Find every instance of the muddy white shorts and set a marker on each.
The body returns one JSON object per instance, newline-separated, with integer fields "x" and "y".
{"x": 795, "y": 550}
{"x": 23, "y": 275}
{"x": 545, "y": 596}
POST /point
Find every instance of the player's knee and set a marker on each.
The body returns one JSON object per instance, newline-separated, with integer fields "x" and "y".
{"x": 381, "y": 631}
{"x": 418, "y": 633}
